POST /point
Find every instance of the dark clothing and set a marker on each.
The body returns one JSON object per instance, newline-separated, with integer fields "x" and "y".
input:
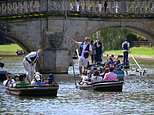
{"x": 125, "y": 53}
{"x": 98, "y": 56}
{"x": 87, "y": 49}
{"x": 105, "y": 6}
{"x": 125, "y": 46}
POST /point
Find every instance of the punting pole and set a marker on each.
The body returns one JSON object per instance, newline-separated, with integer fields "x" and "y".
{"x": 77, "y": 53}
{"x": 74, "y": 75}
{"x": 136, "y": 62}
{"x": 74, "y": 68}
{"x": 144, "y": 71}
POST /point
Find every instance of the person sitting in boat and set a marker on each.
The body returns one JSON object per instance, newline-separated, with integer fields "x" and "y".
{"x": 104, "y": 72}
{"x": 9, "y": 81}
{"x": 51, "y": 80}
{"x": 16, "y": 78}
{"x": 120, "y": 73}
{"x": 87, "y": 78}
{"x": 111, "y": 76}
{"x": 96, "y": 77}
{"x": 21, "y": 82}
{"x": 37, "y": 79}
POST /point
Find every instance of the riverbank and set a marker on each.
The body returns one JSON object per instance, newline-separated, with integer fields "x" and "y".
{"x": 137, "y": 52}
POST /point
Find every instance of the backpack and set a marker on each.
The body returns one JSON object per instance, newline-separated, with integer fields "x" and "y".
{"x": 125, "y": 46}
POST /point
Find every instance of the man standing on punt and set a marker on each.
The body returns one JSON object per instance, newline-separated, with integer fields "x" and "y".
{"x": 30, "y": 61}
{"x": 85, "y": 50}
{"x": 125, "y": 46}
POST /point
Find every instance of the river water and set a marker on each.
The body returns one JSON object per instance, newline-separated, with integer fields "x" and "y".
{"x": 137, "y": 97}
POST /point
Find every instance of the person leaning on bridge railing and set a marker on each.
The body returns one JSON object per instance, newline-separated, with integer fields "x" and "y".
{"x": 30, "y": 61}
{"x": 85, "y": 50}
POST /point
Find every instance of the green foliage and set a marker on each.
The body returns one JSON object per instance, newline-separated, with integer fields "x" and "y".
{"x": 113, "y": 37}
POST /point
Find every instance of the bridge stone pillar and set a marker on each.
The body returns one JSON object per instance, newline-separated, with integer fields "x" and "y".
{"x": 56, "y": 59}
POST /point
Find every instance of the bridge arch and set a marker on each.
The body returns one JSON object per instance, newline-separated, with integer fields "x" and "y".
{"x": 15, "y": 40}
{"x": 141, "y": 29}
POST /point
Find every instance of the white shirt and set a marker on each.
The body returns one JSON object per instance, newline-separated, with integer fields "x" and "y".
{"x": 84, "y": 47}
{"x": 96, "y": 79}
{"x": 125, "y": 42}
{"x": 31, "y": 55}
{"x": 9, "y": 83}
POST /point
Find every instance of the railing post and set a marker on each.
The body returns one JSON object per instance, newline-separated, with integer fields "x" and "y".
{"x": 44, "y": 5}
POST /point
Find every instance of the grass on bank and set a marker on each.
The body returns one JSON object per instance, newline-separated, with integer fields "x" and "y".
{"x": 135, "y": 50}
{"x": 10, "y": 47}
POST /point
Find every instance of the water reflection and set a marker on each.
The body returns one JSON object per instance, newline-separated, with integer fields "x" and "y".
{"x": 136, "y": 98}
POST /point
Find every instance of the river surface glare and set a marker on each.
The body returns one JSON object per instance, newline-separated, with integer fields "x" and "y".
{"x": 137, "y": 98}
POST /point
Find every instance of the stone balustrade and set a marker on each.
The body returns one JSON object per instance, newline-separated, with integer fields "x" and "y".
{"x": 15, "y": 7}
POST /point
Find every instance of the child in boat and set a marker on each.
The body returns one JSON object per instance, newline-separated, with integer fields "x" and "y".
{"x": 37, "y": 79}
{"x": 21, "y": 82}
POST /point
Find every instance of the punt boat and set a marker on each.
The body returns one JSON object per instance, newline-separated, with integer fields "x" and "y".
{"x": 43, "y": 90}
{"x": 114, "y": 86}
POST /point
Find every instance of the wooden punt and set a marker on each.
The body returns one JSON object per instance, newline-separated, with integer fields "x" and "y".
{"x": 34, "y": 91}
{"x": 103, "y": 86}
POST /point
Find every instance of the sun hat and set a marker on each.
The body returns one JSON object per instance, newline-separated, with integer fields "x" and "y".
{"x": 37, "y": 77}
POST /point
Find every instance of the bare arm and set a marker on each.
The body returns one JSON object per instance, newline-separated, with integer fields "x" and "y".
{"x": 74, "y": 41}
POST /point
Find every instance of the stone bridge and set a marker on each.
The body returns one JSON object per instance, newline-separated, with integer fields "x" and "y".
{"x": 49, "y": 24}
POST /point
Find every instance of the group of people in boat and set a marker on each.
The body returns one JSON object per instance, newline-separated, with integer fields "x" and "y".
{"x": 31, "y": 77}
{"x": 95, "y": 50}
{"x": 21, "y": 80}
{"x": 110, "y": 70}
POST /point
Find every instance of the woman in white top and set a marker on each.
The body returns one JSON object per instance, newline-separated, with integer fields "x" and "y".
{"x": 96, "y": 77}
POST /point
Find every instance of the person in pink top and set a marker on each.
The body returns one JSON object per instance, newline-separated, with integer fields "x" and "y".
{"x": 111, "y": 76}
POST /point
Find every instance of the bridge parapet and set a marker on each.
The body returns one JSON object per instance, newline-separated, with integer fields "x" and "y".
{"x": 16, "y": 7}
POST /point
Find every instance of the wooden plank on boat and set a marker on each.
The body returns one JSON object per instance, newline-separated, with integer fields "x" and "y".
{"x": 103, "y": 86}
{"x": 33, "y": 91}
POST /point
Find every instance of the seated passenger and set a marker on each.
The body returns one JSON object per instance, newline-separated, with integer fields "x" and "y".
{"x": 120, "y": 73}
{"x": 105, "y": 71}
{"x": 16, "y": 78}
{"x": 21, "y": 82}
{"x": 87, "y": 79}
{"x": 111, "y": 76}
{"x": 37, "y": 80}
{"x": 9, "y": 81}
{"x": 96, "y": 77}
{"x": 51, "y": 80}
